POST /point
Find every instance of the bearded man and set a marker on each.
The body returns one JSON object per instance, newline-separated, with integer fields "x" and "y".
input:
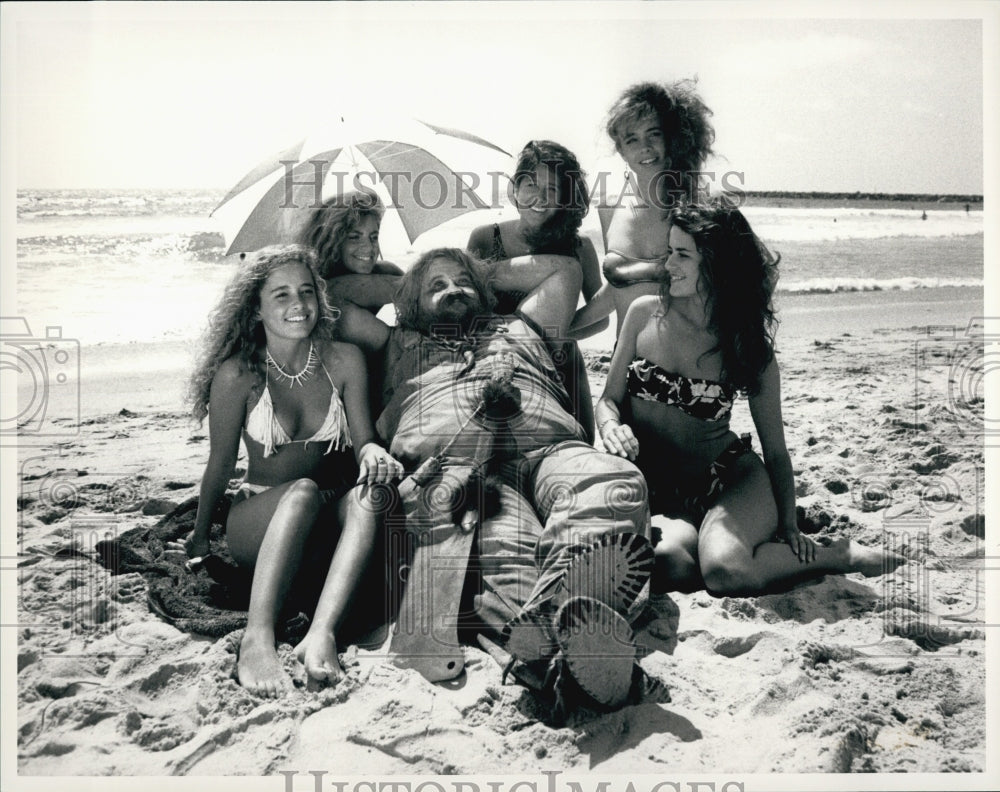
{"x": 559, "y": 542}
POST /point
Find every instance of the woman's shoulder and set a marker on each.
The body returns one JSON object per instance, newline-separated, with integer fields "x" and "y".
{"x": 646, "y": 306}
{"x": 235, "y": 369}
{"x": 235, "y": 378}
{"x": 483, "y": 234}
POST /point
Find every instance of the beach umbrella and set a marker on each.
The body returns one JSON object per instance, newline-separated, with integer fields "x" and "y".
{"x": 424, "y": 173}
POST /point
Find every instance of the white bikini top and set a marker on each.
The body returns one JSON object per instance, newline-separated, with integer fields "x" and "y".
{"x": 262, "y": 424}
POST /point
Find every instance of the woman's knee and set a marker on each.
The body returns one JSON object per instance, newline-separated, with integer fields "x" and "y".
{"x": 729, "y": 577}
{"x": 674, "y": 568}
{"x": 302, "y": 498}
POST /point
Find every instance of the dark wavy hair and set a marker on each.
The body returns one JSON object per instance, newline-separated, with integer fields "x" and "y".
{"x": 407, "y": 300}
{"x": 234, "y": 327}
{"x": 329, "y": 225}
{"x": 558, "y": 234}
{"x": 738, "y": 276}
{"x": 682, "y": 116}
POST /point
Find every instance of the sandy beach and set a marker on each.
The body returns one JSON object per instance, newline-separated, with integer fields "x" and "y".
{"x": 845, "y": 674}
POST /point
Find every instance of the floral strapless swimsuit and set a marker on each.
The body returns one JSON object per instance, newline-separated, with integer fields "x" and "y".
{"x": 707, "y": 400}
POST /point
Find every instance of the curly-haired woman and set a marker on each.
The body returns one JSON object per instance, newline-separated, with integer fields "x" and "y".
{"x": 664, "y": 134}
{"x": 271, "y": 373}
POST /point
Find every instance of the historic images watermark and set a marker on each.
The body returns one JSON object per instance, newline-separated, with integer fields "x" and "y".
{"x": 460, "y": 190}
{"x": 319, "y": 781}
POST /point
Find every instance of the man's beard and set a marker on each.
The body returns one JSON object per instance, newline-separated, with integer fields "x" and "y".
{"x": 457, "y": 311}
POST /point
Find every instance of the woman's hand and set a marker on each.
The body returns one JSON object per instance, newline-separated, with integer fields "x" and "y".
{"x": 193, "y": 546}
{"x": 803, "y": 546}
{"x": 377, "y": 466}
{"x": 619, "y": 440}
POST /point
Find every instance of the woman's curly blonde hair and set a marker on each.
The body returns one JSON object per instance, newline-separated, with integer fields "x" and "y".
{"x": 234, "y": 326}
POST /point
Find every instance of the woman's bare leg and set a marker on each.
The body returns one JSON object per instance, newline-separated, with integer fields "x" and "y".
{"x": 268, "y": 532}
{"x": 318, "y": 650}
{"x": 737, "y": 556}
{"x": 675, "y": 556}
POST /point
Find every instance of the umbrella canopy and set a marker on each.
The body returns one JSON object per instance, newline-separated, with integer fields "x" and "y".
{"x": 427, "y": 174}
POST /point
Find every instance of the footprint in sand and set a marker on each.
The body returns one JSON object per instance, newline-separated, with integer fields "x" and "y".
{"x": 925, "y": 634}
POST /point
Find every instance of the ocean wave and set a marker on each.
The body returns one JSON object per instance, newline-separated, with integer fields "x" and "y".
{"x": 836, "y": 285}
{"x": 201, "y": 245}
{"x": 39, "y": 205}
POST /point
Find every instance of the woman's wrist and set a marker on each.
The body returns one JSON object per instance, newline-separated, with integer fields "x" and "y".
{"x": 605, "y": 422}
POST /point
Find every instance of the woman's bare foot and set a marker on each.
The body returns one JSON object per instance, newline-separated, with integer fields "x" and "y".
{"x": 318, "y": 653}
{"x": 869, "y": 561}
{"x": 259, "y": 669}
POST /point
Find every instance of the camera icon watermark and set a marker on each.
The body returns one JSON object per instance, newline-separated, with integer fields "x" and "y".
{"x": 45, "y": 374}
{"x": 937, "y": 598}
{"x": 951, "y": 368}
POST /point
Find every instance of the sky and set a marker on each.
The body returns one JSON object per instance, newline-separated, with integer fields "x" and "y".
{"x": 193, "y": 95}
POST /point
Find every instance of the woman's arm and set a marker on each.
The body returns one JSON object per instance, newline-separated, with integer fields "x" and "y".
{"x": 625, "y": 273}
{"x": 227, "y": 411}
{"x": 527, "y": 273}
{"x": 376, "y": 464}
{"x": 587, "y": 324}
{"x": 553, "y": 286}
{"x": 591, "y": 267}
{"x": 593, "y": 317}
{"x": 765, "y": 408}
{"x": 366, "y": 291}
{"x": 361, "y": 328}
{"x": 617, "y": 437}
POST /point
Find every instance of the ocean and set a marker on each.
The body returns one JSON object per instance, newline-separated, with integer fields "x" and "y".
{"x": 125, "y": 266}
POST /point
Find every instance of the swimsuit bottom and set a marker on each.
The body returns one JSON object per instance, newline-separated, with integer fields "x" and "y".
{"x": 338, "y": 477}
{"x": 247, "y": 490}
{"x": 697, "y": 496}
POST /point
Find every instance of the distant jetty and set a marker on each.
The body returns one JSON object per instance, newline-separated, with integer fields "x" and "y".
{"x": 863, "y": 196}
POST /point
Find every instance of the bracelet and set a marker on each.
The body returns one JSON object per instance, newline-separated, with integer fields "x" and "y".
{"x": 600, "y": 426}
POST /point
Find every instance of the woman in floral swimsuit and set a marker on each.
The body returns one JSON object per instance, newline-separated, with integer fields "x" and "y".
{"x": 682, "y": 357}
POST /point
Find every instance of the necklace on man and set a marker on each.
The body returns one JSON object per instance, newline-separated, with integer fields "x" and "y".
{"x": 294, "y": 379}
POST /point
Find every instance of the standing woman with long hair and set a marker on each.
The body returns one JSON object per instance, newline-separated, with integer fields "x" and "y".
{"x": 271, "y": 373}
{"x": 664, "y": 134}
{"x": 682, "y": 357}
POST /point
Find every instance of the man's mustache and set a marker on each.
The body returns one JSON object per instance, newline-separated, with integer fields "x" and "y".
{"x": 449, "y": 299}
